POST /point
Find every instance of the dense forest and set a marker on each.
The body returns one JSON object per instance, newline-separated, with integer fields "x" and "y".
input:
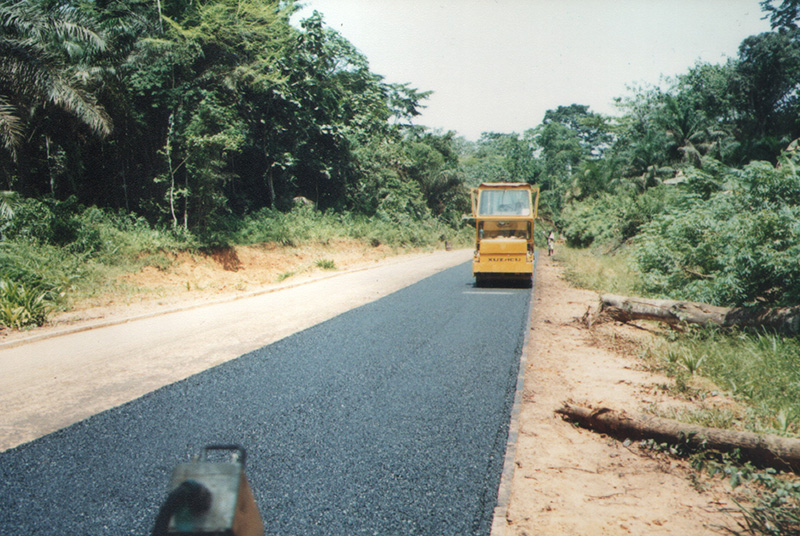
{"x": 207, "y": 119}
{"x": 188, "y": 112}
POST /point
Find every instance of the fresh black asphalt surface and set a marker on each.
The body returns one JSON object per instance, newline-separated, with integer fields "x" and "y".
{"x": 389, "y": 419}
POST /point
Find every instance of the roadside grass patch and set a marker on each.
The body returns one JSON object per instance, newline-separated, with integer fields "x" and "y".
{"x": 22, "y": 305}
{"x": 325, "y": 264}
{"x": 304, "y": 224}
{"x": 56, "y": 253}
{"x": 761, "y": 373}
{"x": 283, "y": 276}
{"x": 593, "y": 270}
{"x": 740, "y": 380}
{"x": 761, "y": 370}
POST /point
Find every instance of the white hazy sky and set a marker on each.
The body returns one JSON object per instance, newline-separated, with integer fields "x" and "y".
{"x": 498, "y": 65}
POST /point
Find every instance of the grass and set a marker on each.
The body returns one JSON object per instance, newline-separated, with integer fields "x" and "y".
{"x": 307, "y": 225}
{"x": 22, "y": 305}
{"x": 325, "y": 264}
{"x": 602, "y": 272}
{"x": 760, "y": 370}
{"x": 284, "y": 276}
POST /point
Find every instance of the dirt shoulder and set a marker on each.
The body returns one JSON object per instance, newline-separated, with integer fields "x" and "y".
{"x": 570, "y": 481}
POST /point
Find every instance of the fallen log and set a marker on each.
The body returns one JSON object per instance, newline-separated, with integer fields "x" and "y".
{"x": 764, "y": 450}
{"x": 784, "y": 320}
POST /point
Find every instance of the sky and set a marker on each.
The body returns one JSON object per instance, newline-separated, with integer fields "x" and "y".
{"x": 499, "y": 65}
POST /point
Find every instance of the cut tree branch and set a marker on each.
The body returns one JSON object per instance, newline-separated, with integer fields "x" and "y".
{"x": 762, "y": 449}
{"x": 785, "y": 320}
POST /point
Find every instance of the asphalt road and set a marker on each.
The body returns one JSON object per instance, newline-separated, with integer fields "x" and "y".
{"x": 389, "y": 419}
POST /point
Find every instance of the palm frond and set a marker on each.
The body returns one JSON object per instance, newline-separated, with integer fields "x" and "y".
{"x": 82, "y": 105}
{"x": 11, "y": 127}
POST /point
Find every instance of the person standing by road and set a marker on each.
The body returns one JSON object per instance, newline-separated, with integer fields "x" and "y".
{"x": 551, "y": 243}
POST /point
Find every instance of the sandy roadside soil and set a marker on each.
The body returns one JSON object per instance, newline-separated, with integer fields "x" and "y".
{"x": 193, "y": 279}
{"x": 571, "y": 481}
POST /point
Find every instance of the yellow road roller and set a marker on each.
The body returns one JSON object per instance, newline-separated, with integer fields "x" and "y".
{"x": 504, "y": 214}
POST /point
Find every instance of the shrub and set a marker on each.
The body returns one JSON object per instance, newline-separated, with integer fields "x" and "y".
{"x": 611, "y": 219}
{"x": 733, "y": 247}
{"x": 52, "y": 249}
{"x": 591, "y": 221}
{"x": 21, "y": 305}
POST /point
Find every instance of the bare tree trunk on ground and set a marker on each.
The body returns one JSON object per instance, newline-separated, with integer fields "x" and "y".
{"x": 763, "y": 450}
{"x": 785, "y": 320}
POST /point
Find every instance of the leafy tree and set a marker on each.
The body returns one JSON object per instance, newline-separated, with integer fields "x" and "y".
{"x": 327, "y": 104}
{"x": 569, "y": 138}
{"x": 434, "y": 166}
{"x": 190, "y": 84}
{"x": 639, "y": 142}
{"x": 590, "y": 128}
{"x": 783, "y": 15}
{"x": 768, "y": 76}
{"x": 512, "y": 152}
{"x": 560, "y": 152}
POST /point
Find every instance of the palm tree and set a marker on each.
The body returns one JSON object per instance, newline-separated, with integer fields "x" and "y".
{"x": 39, "y": 46}
{"x": 686, "y": 127}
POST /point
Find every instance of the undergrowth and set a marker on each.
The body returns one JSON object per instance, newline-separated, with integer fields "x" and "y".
{"x": 304, "y": 224}
{"x": 53, "y": 253}
{"x": 596, "y": 270}
{"x": 761, "y": 370}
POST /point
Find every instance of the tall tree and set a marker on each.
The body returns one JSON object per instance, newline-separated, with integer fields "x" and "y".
{"x": 768, "y": 75}
{"x": 590, "y": 128}
{"x": 218, "y": 59}
{"x": 569, "y": 137}
{"x": 433, "y": 164}
{"x": 783, "y": 14}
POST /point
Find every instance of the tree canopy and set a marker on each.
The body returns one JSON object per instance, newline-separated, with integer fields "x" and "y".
{"x": 192, "y": 112}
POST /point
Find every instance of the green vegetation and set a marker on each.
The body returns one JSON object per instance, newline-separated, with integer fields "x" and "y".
{"x": 303, "y": 224}
{"x": 191, "y": 114}
{"x": 21, "y": 305}
{"x": 695, "y": 194}
{"x": 600, "y": 271}
{"x": 63, "y": 251}
{"x": 694, "y": 191}
{"x": 730, "y": 238}
{"x": 758, "y": 369}
{"x": 133, "y": 130}
{"x": 325, "y": 264}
